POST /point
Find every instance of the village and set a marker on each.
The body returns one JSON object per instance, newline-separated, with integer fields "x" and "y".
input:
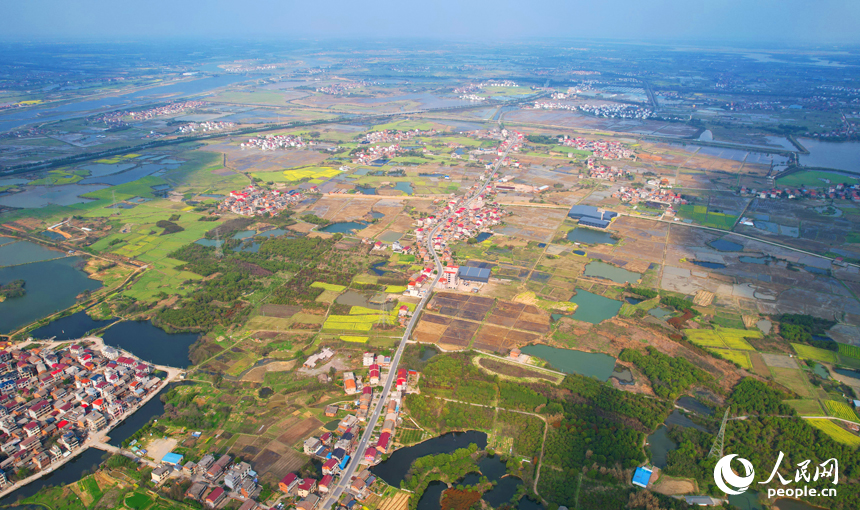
{"x": 205, "y": 127}
{"x": 54, "y": 400}
{"x": 254, "y": 201}
{"x": 274, "y": 142}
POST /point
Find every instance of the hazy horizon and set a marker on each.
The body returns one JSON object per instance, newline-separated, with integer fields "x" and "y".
{"x": 790, "y": 23}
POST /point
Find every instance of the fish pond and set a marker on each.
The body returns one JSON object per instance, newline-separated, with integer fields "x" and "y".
{"x": 592, "y": 308}
{"x": 724, "y": 245}
{"x": 590, "y": 236}
{"x": 597, "y": 365}
{"x": 608, "y": 271}
{"x": 346, "y": 227}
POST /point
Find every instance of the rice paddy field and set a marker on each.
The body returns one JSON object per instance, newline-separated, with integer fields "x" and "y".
{"x": 814, "y": 353}
{"x": 836, "y": 432}
{"x": 701, "y": 215}
{"x": 728, "y": 338}
{"x": 840, "y": 410}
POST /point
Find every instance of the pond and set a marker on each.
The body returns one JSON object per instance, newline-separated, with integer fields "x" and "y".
{"x": 569, "y": 361}
{"x": 128, "y": 175}
{"x": 660, "y": 312}
{"x": 592, "y": 308}
{"x": 248, "y": 247}
{"x": 353, "y": 298}
{"x": 590, "y": 236}
{"x": 377, "y": 215}
{"x": 838, "y": 155}
{"x": 70, "y": 327}
{"x": 376, "y": 268}
{"x": 723, "y": 245}
{"x": 366, "y": 191}
{"x": 709, "y": 265}
{"x": 659, "y": 446}
{"x": 428, "y": 353}
{"x": 579, "y": 252}
{"x": 244, "y": 234}
{"x": 394, "y": 470}
{"x": 632, "y": 301}
{"x": 746, "y": 501}
{"x": 150, "y": 343}
{"x": 209, "y": 242}
{"x": 691, "y": 404}
{"x": 404, "y": 186}
{"x": 51, "y": 286}
{"x": 854, "y": 374}
{"x": 332, "y": 425}
{"x": 346, "y": 227}
{"x": 528, "y": 504}
{"x": 610, "y": 272}
{"x": 754, "y": 260}
{"x": 25, "y": 252}
{"x": 622, "y": 374}
{"x": 677, "y": 418}
{"x": 820, "y": 370}
{"x": 764, "y": 325}
{"x": 483, "y": 236}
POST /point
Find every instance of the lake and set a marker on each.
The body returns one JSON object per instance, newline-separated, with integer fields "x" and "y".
{"x": 34, "y": 197}
{"x": 150, "y": 343}
{"x": 592, "y": 308}
{"x": 51, "y": 285}
{"x": 838, "y": 155}
{"x": 590, "y": 236}
{"x": 70, "y": 327}
{"x": 394, "y": 470}
{"x": 570, "y": 361}
{"x": 610, "y": 272}
{"x": 432, "y": 496}
{"x": 346, "y": 227}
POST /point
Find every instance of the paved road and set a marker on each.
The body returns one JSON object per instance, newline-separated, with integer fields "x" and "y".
{"x": 347, "y": 474}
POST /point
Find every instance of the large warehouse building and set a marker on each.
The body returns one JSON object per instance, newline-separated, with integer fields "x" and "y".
{"x": 475, "y": 274}
{"x": 591, "y": 216}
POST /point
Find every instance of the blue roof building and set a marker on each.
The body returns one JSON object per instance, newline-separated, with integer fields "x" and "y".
{"x": 641, "y": 477}
{"x": 474, "y": 274}
{"x": 591, "y": 216}
{"x": 172, "y": 458}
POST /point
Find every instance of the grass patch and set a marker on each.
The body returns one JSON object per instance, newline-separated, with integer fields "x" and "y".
{"x": 702, "y": 216}
{"x": 813, "y": 179}
{"x": 793, "y": 379}
{"x": 328, "y": 286}
{"x": 805, "y": 407}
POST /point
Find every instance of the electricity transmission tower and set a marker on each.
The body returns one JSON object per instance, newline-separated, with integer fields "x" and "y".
{"x": 717, "y": 447}
{"x": 383, "y": 315}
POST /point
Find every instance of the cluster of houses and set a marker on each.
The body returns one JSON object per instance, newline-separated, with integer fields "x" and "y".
{"x": 600, "y": 171}
{"x": 324, "y": 355}
{"x": 462, "y": 223}
{"x": 617, "y": 111}
{"x": 604, "y": 149}
{"x": 254, "y": 201}
{"x": 308, "y": 492}
{"x": 336, "y": 89}
{"x": 214, "y": 482}
{"x": 472, "y": 97}
{"x": 833, "y": 192}
{"x": 169, "y": 109}
{"x": 274, "y": 142}
{"x": 205, "y": 127}
{"x": 657, "y": 195}
{"x": 550, "y": 105}
{"x": 371, "y": 154}
{"x": 390, "y": 135}
{"x": 57, "y": 398}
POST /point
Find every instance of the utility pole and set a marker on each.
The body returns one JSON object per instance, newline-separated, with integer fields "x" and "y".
{"x": 717, "y": 447}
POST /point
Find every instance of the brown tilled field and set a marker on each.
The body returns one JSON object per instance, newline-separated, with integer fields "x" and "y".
{"x": 280, "y": 311}
{"x": 398, "y": 502}
{"x": 299, "y": 430}
{"x": 276, "y": 460}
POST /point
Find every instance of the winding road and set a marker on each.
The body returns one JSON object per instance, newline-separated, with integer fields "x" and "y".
{"x": 373, "y": 419}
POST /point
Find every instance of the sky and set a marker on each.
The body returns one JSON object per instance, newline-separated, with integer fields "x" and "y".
{"x": 784, "y": 22}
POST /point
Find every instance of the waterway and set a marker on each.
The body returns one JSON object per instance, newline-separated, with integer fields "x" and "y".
{"x": 597, "y": 365}
{"x": 80, "y": 108}
{"x": 346, "y": 227}
{"x": 592, "y": 308}
{"x": 51, "y": 286}
{"x": 610, "y": 272}
{"x": 150, "y": 343}
{"x": 394, "y": 470}
{"x": 590, "y": 236}
{"x": 838, "y": 155}
{"x": 70, "y": 327}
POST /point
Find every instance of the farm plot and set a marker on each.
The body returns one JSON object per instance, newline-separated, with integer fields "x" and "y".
{"x": 448, "y": 333}
{"x": 280, "y": 311}
{"x": 814, "y": 353}
{"x": 727, "y": 338}
{"x": 840, "y": 410}
{"x": 468, "y": 307}
{"x": 793, "y": 379}
{"x": 805, "y": 407}
{"x": 836, "y": 432}
{"x": 739, "y": 357}
{"x": 852, "y": 351}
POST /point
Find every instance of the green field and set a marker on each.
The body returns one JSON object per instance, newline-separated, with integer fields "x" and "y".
{"x": 852, "y": 351}
{"x": 702, "y": 216}
{"x": 328, "y": 286}
{"x": 793, "y": 379}
{"x": 836, "y": 432}
{"x": 805, "y": 407}
{"x": 808, "y": 352}
{"x": 840, "y": 410}
{"x": 728, "y": 338}
{"x": 138, "y": 500}
{"x": 812, "y": 179}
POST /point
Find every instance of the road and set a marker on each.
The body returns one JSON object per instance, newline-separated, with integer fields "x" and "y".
{"x": 346, "y": 475}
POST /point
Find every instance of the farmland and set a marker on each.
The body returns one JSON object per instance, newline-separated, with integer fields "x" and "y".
{"x": 815, "y": 353}
{"x": 836, "y": 432}
{"x": 723, "y": 337}
{"x": 841, "y": 410}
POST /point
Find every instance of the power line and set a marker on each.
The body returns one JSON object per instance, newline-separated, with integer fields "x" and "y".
{"x": 717, "y": 447}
